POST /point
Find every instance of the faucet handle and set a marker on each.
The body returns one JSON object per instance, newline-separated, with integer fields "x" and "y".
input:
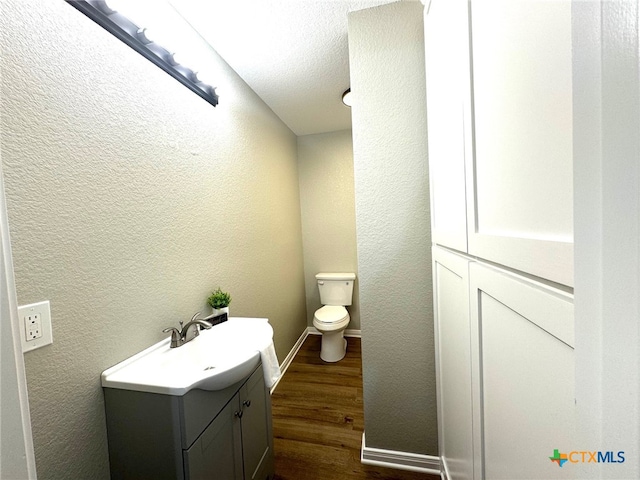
{"x": 175, "y": 336}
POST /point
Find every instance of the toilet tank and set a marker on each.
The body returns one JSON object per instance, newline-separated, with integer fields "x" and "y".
{"x": 335, "y": 288}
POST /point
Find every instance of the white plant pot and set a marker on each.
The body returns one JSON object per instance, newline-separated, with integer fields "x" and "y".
{"x": 220, "y": 311}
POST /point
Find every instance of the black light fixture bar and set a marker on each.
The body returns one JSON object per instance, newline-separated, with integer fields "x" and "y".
{"x": 347, "y": 97}
{"x": 130, "y": 33}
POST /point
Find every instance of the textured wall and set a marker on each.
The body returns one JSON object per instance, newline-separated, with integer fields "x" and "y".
{"x": 129, "y": 199}
{"x": 325, "y": 165}
{"x": 386, "y": 51}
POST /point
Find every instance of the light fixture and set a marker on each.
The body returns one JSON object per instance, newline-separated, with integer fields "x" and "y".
{"x": 175, "y": 59}
{"x": 136, "y": 36}
{"x": 144, "y": 35}
{"x": 347, "y": 98}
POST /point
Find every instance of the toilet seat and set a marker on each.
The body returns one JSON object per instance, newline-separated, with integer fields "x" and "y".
{"x": 331, "y": 314}
{"x": 330, "y": 318}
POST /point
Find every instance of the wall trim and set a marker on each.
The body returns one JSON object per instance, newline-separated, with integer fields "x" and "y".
{"x": 400, "y": 460}
{"x": 349, "y": 332}
{"x": 290, "y": 356}
{"x": 16, "y": 416}
{"x": 444, "y": 469}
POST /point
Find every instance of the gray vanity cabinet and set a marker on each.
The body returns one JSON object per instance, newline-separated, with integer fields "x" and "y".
{"x": 223, "y": 435}
{"x": 237, "y": 444}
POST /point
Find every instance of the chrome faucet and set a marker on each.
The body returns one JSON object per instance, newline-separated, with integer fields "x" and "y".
{"x": 186, "y": 333}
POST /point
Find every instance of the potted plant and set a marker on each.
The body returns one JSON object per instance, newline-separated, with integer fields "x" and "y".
{"x": 219, "y": 302}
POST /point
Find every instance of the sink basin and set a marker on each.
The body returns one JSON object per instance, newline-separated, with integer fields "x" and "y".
{"x": 215, "y": 360}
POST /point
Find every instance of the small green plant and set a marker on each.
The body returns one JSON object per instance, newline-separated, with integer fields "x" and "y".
{"x": 219, "y": 299}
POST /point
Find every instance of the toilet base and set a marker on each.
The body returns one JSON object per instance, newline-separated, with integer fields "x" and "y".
{"x": 334, "y": 346}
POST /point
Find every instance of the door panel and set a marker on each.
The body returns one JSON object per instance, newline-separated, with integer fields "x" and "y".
{"x": 523, "y": 375}
{"x": 453, "y": 337}
{"x": 217, "y": 453}
{"x": 256, "y": 429}
{"x": 447, "y": 80}
{"x": 520, "y": 177}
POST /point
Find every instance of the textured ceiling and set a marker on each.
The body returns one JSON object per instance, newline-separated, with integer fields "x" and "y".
{"x": 292, "y": 53}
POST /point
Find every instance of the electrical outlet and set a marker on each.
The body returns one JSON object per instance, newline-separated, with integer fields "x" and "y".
{"x": 35, "y": 320}
{"x": 33, "y": 326}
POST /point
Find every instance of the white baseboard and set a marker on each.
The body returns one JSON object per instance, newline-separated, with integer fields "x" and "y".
{"x": 349, "y": 332}
{"x": 445, "y": 470}
{"x": 290, "y": 356}
{"x": 399, "y": 460}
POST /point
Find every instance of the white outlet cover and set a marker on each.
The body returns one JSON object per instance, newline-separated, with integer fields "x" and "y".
{"x": 43, "y": 309}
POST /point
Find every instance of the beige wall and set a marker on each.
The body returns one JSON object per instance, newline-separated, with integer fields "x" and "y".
{"x": 325, "y": 164}
{"x": 129, "y": 199}
{"x": 386, "y": 48}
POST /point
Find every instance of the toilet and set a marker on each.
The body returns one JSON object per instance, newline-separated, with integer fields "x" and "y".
{"x": 331, "y": 320}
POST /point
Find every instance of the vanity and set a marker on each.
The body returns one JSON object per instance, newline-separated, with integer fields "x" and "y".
{"x": 200, "y": 411}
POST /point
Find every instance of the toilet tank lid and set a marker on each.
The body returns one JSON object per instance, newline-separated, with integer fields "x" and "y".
{"x": 335, "y": 276}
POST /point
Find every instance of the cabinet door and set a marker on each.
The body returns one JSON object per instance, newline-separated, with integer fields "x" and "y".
{"x": 523, "y": 376}
{"x": 520, "y": 179}
{"x": 453, "y": 367}
{"x": 257, "y": 442}
{"x": 217, "y": 454}
{"x": 446, "y": 61}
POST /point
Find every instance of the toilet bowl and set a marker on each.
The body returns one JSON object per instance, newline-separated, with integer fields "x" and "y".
{"x": 331, "y": 321}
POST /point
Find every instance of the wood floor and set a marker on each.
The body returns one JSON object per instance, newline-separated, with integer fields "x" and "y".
{"x": 318, "y": 420}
